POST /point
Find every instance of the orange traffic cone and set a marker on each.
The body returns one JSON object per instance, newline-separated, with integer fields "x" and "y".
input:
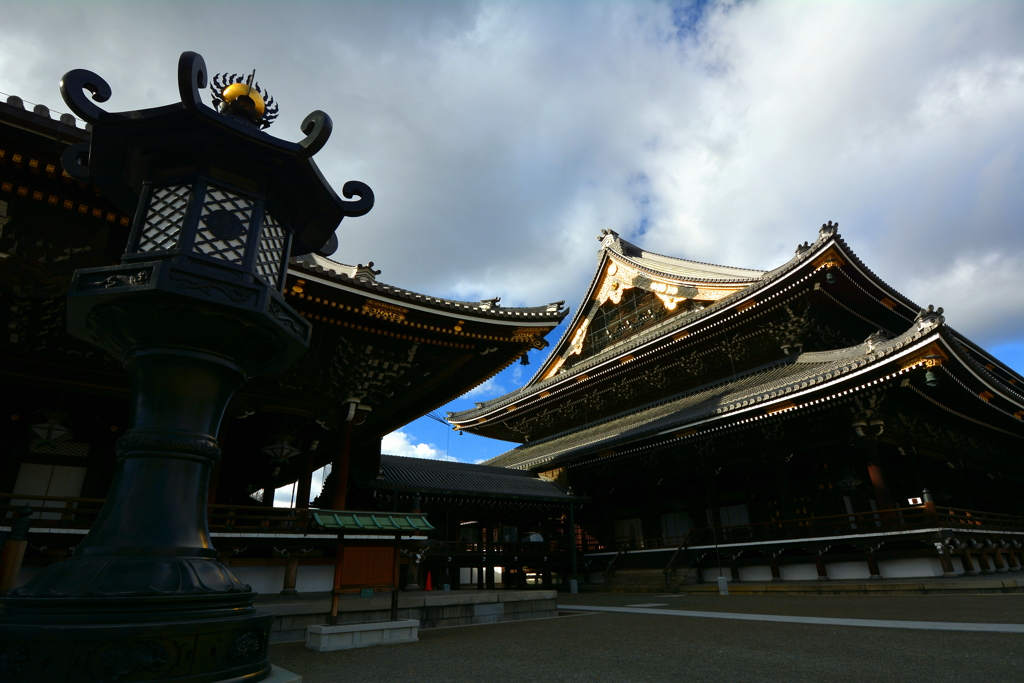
{"x": 428, "y": 587}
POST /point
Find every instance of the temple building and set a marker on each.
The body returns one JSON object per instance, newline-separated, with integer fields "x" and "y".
{"x": 379, "y": 357}
{"x": 804, "y": 422}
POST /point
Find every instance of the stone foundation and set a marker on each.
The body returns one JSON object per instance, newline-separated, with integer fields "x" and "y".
{"x": 433, "y": 609}
{"x": 325, "y": 638}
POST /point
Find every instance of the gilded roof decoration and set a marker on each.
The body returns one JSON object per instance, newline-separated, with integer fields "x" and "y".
{"x": 384, "y": 311}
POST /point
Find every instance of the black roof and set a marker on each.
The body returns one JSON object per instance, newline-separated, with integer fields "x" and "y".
{"x": 364, "y": 278}
{"x": 772, "y": 382}
{"x": 465, "y": 479}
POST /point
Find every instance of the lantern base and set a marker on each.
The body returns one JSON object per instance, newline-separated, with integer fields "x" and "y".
{"x": 176, "y": 639}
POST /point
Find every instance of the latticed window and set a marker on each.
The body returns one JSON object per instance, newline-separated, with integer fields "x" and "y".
{"x": 613, "y": 322}
{"x": 272, "y": 242}
{"x": 223, "y": 225}
{"x": 164, "y": 219}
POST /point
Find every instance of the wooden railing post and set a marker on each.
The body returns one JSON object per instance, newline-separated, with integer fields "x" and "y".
{"x": 291, "y": 573}
{"x": 13, "y": 552}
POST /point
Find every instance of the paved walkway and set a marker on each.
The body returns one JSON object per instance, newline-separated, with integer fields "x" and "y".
{"x": 823, "y": 621}
{"x": 738, "y": 639}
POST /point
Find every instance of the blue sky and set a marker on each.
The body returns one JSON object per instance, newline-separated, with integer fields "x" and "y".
{"x": 501, "y": 137}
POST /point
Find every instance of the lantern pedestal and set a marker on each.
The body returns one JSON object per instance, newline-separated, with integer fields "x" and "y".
{"x": 194, "y": 310}
{"x": 144, "y": 593}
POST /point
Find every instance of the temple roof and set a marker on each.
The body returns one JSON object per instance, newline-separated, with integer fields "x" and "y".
{"x": 740, "y": 290}
{"x": 40, "y": 120}
{"x": 363, "y": 278}
{"x": 805, "y": 378}
{"x": 464, "y": 479}
{"x": 682, "y": 269}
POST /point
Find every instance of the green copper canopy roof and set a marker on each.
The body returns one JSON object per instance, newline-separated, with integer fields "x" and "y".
{"x": 375, "y": 522}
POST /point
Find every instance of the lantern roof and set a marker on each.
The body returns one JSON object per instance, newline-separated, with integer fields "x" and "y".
{"x": 131, "y": 148}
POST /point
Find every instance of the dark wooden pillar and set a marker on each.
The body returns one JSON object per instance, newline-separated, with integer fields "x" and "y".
{"x": 340, "y": 471}
{"x": 819, "y": 564}
{"x": 1014, "y": 560}
{"x": 876, "y": 473}
{"x": 291, "y": 573}
{"x": 305, "y": 482}
{"x": 968, "y": 563}
{"x": 291, "y": 568}
{"x": 13, "y": 552}
{"x": 946, "y": 560}
{"x": 489, "y": 557}
{"x": 773, "y": 564}
{"x": 997, "y": 555}
{"x": 339, "y": 566}
{"x": 571, "y": 538}
{"x": 545, "y": 531}
{"x": 873, "y": 570}
{"x": 480, "y": 582}
{"x": 340, "y": 467}
{"x": 782, "y": 490}
{"x": 986, "y": 566}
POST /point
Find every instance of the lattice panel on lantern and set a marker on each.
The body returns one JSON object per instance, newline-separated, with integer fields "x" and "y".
{"x": 223, "y": 225}
{"x": 272, "y": 242}
{"x": 164, "y": 219}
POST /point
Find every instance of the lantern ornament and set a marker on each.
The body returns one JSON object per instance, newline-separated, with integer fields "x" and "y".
{"x": 281, "y": 452}
{"x": 243, "y": 98}
{"x": 52, "y": 430}
{"x": 193, "y": 310}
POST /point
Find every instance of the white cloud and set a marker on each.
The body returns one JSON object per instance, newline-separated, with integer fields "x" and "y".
{"x": 284, "y": 496}
{"x": 499, "y": 138}
{"x": 486, "y": 390}
{"x": 400, "y": 443}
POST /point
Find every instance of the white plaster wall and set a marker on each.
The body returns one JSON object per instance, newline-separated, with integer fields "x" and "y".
{"x": 758, "y": 574}
{"x": 711, "y": 574}
{"x": 798, "y": 572}
{"x": 911, "y": 568}
{"x": 314, "y": 579}
{"x": 262, "y": 579}
{"x": 848, "y": 570}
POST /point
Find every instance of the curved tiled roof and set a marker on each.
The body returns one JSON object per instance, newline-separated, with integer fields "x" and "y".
{"x": 64, "y": 125}
{"x": 459, "y": 478}
{"x": 535, "y": 385}
{"x": 363, "y": 278}
{"x": 672, "y": 267}
{"x": 762, "y": 385}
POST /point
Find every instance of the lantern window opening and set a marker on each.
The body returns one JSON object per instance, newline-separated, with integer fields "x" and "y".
{"x": 272, "y": 250}
{"x": 165, "y": 218}
{"x": 224, "y": 225}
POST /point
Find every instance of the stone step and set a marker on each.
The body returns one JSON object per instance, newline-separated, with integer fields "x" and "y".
{"x": 647, "y": 580}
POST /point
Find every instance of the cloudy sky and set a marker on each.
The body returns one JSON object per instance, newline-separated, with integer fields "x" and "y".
{"x": 501, "y": 137}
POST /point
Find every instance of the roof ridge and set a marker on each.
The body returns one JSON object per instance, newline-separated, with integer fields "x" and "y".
{"x": 611, "y": 239}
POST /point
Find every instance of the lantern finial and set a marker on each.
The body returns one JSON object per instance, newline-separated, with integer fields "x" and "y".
{"x": 240, "y": 96}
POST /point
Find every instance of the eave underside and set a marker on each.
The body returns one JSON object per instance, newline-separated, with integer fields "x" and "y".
{"x": 780, "y": 387}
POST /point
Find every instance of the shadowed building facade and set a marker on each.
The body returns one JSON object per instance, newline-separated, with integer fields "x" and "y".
{"x": 151, "y": 312}
{"x": 775, "y": 423}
